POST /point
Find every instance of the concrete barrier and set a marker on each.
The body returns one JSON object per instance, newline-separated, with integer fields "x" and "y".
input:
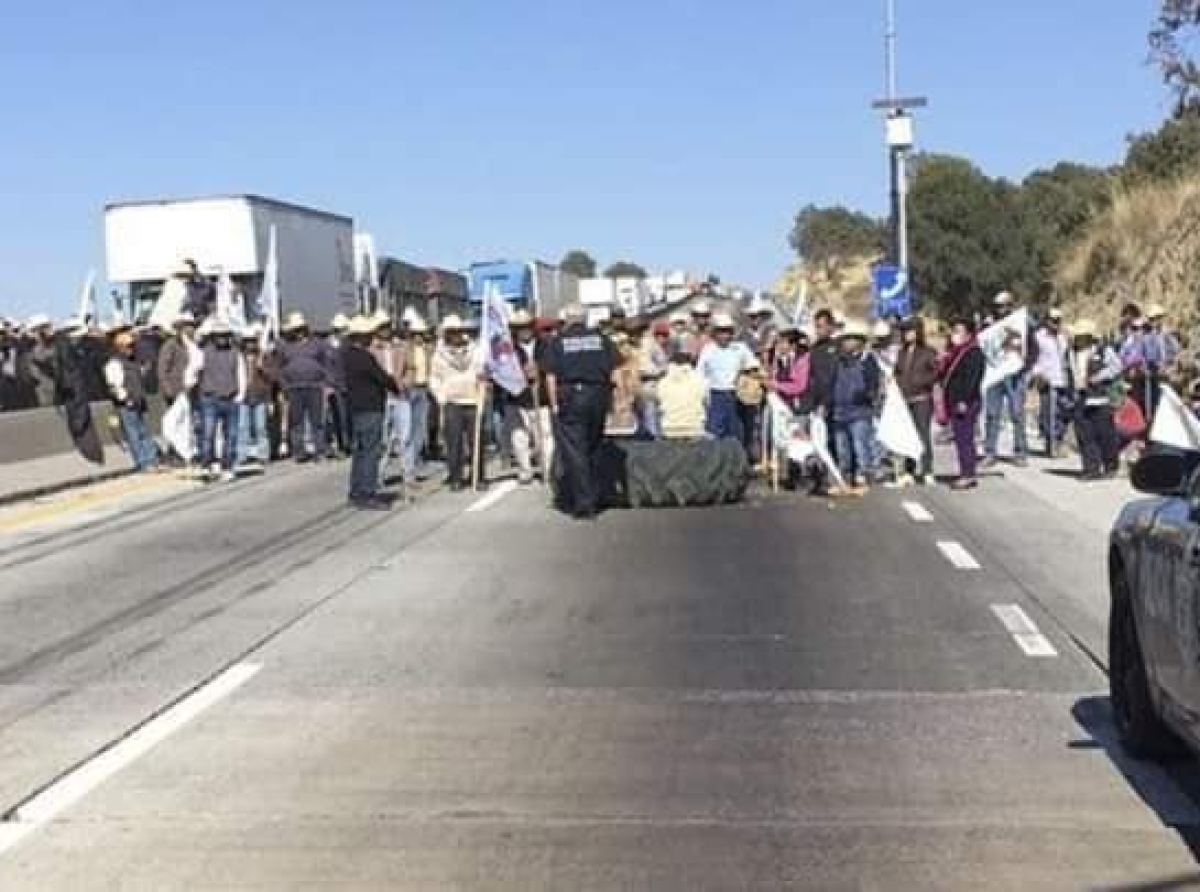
{"x": 33, "y": 434}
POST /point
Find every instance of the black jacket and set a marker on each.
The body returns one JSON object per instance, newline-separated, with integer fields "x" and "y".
{"x": 963, "y": 380}
{"x": 367, "y": 384}
{"x": 822, "y": 369}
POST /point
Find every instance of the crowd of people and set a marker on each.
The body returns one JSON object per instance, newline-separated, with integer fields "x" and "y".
{"x": 698, "y": 374}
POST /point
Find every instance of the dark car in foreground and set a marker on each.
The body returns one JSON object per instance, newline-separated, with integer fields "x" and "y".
{"x": 1154, "y": 624}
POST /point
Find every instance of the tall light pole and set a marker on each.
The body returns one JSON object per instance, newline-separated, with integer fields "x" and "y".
{"x": 899, "y": 138}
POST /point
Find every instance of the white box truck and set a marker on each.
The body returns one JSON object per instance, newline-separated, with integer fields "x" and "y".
{"x": 146, "y": 242}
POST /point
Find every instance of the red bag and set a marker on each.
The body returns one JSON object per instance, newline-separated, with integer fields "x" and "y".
{"x": 1130, "y": 421}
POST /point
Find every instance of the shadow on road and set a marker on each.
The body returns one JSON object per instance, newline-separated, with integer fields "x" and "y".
{"x": 1171, "y": 791}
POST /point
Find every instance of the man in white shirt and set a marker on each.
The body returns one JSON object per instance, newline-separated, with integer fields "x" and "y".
{"x": 721, "y": 362}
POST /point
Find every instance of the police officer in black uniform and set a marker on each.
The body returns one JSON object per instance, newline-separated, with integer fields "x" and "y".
{"x": 579, "y": 369}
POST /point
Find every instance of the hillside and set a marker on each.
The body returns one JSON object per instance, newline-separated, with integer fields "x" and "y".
{"x": 849, "y": 295}
{"x": 1145, "y": 249}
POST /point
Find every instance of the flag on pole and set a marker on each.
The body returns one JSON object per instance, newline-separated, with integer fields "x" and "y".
{"x": 897, "y": 431}
{"x": 790, "y": 439}
{"x": 1174, "y": 423}
{"x": 88, "y": 311}
{"x": 500, "y": 356}
{"x": 268, "y": 299}
{"x": 1003, "y": 363}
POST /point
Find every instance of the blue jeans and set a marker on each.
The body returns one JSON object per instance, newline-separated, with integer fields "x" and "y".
{"x": 253, "y": 440}
{"x": 651, "y": 417}
{"x": 368, "y": 450}
{"x": 225, "y": 413}
{"x": 418, "y": 401}
{"x": 142, "y": 448}
{"x": 855, "y": 444}
{"x": 399, "y": 430}
{"x": 722, "y": 418}
{"x": 1010, "y": 394}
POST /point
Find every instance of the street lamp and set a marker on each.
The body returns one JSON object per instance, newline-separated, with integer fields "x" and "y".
{"x": 899, "y": 140}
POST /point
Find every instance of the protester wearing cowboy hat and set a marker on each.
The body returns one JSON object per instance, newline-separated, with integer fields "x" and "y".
{"x": 760, "y": 332}
{"x": 519, "y": 422}
{"x": 720, "y": 363}
{"x": 304, "y": 374}
{"x": 854, "y": 392}
{"x": 124, "y": 378}
{"x": 221, "y": 389}
{"x": 392, "y": 353}
{"x": 1162, "y": 351}
{"x": 41, "y": 360}
{"x": 337, "y": 415}
{"x": 1049, "y": 375}
{"x": 262, "y": 381}
{"x": 456, "y": 380}
{"x": 368, "y": 387}
{"x": 1093, "y": 368}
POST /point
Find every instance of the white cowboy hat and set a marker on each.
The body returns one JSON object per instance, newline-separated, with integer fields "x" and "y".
{"x": 218, "y": 326}
{"x": 1156, "y": 311}
{"x": 520, "y": 319}
{"x": 759, "y": 307}
{"x": 679, "y": 318}
{"x": 701, "y": 309}
{"x": 381, "y": 319}
{"x": 1003, "y": 299}
{"x": 723, "y": 321}
{"x": 339, "y": 322}
{"x": 251, "y": 332}
{"x": 453, "y": 322}
{"x": 294, "y": 322}
{"x": 1055, "y": 313}
{"x": 417, "y": 325}
{"x": 74, "y": 326}
{"x": 881, "y": 330}
{"x": 185, "y": 318}
{"x": 41, "y": 320}
{"x": 361, "y": 325}
{"x": 853, "y": 328}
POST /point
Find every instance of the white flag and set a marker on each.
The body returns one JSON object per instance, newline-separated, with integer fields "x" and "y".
{"x": 268, "y": 299}
{"x": 791, "y": 440}
{"x": 88, "y": 311}
{"x": 1003, "y": 363}
{"x": 1174, "y": 423}
{"x": 897, "y": 432}
{"x": 177, "y": 427}
{"x": 501, "y": 361}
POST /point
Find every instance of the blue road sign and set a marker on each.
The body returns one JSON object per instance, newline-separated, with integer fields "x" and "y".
{"x": 892, "y": 294}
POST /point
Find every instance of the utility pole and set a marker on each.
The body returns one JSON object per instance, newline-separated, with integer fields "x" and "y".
{"x": 899, "y": 140}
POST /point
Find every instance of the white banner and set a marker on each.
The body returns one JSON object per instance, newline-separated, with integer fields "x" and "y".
{"x": 1003, "y": 363}
{"x": 177, "y": 427}
{"x": 790, "y": 439}
{"x": 897, "y": 431}
{"x": 501, "y": 361}
{"x": 1174, "y": 423}
{"x": 268, "y": 298}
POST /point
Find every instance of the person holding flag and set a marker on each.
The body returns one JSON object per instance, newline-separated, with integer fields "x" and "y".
{"x": 458, "y": 383}
{"x": 1093, "y": 367}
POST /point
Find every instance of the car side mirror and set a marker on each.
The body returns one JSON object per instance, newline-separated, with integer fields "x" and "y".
{"x": 1159, "y": 474}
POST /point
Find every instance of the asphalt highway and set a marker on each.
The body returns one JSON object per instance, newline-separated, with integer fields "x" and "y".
{"x": 252, "y": 687}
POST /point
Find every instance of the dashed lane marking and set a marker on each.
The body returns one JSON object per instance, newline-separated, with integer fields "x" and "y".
{"x": 918, "y": 512}
{"x": 44, "y": 806}
{"x": 958, "y": 556}
{"x": 1024, "y": 631}
{"x": 493, "y": 497}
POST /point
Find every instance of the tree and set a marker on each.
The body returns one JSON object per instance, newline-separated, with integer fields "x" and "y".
{"x": 1056, "y": 206}
{"x": 829, "y": 237}
{"x": 969, "y": 236}
{"x": 624, "y": 269}
{"x": 578, "y": 263}
{"x": 1167, "y": 153}
{"x": 1177, "y": 28}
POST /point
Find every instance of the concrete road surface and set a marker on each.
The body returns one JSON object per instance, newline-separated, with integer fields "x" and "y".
{"x": 251, "y": 687}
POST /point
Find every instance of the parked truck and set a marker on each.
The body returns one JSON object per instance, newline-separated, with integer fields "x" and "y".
{"x": 147, "y": 242}
{"x": 539, "y": 287}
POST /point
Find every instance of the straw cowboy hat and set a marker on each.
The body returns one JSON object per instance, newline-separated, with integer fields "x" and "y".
{"x": 295, "y": 322}
{"x": 723, "y": 322}
{"x": 184, "y": 318}
{"x": 1003, "y": 299}
{"x": 381, "y": 319}
{"x": 339, "y": 322}
{"x": 251, "y": 332}
{"x": 39, "y": 321}
{"x": 520, "y": 319}
{"x": 1085, "y": 328}
{"x": 361, "y": 326}
{"x": 1156, "y": 311}
{"x": 218, "y": 326}
{"x": 417, "y": 325}
{"x": 853, "y": 328}
{"x": 881, "y": 330}
{"x": 678, "y": 318}
{"x": 701, "y": 309}
{"x": 453, "y": 322}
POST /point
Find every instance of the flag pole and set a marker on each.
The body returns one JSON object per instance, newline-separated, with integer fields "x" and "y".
{"x": 476, "y": 458}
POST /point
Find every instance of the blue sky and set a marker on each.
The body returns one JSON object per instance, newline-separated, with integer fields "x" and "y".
{"x": 678, "y": 134}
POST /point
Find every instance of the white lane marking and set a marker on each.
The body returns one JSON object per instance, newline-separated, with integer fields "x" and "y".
{"x": 72, "y": 787}
{"x": 958, "y": 556}
{"x": 1024, "y": 631}
{"x": 493, "y": 497}
{"x": 918, "y": 512}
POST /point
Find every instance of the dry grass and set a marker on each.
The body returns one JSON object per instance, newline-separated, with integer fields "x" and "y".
{"x": 1145, "y": 249}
